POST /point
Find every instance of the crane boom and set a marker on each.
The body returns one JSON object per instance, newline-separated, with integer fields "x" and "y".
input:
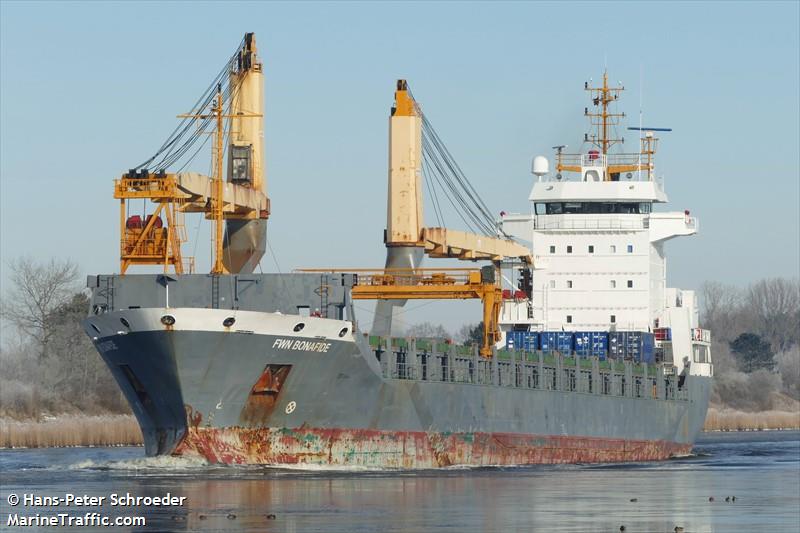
{"x": 405, "y": 216}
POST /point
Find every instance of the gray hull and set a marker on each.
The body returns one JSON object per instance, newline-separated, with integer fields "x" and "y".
{"x": 260, "y": 392}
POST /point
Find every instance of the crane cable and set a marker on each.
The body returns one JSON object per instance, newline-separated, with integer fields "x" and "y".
{"x": 440, "y": 168}
{"x": 173, "y": 148}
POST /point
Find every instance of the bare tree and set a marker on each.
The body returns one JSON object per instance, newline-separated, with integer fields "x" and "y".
{"x": 37, "y": 290}
{"x": 427, "y": 330}
{"x": 775, "y": 305}
{"x": 718, "y": 301}
{"x": 789, "y": 367}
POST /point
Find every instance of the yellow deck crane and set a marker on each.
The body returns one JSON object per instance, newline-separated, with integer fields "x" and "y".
{"x": 407, "y": 239}
{"x": 240, "y": 202}
{"x": 432, "y": 284}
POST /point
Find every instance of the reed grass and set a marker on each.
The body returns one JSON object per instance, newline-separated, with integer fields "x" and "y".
{"x": 733, "y": 420}
{"x": 71, "y": 430}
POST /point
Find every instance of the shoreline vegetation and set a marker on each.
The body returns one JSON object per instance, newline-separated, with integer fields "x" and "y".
{"x": 123, "y": 430}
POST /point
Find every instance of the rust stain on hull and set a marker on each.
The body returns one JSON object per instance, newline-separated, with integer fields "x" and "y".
{"x": 411, "y": 449}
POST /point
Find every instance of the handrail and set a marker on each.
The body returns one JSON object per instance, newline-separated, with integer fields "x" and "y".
{"x": 527, "y": 370}
{"x": 562, "y": 222}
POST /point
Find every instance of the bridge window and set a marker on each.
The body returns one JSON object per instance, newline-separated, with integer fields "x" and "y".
{"x": 569, "y": 249}
{"x": 569, "y": 319}
{"x": 613, "y": 319}
{"x": 700, "y": 353}
{"x": 592, "y": 208}
{"x": 630, "y": 283}
{"x": 613, "y": 284}
{"x": 613, "y": 249}
{"x": 630, "y": 248}
{"x": 569, "y": 283}
{"x": 591, "y": 249}
{"x": 552, "y": 249}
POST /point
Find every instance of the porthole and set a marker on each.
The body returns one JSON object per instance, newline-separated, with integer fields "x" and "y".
{"x": 95, "y": 328}
{"x": 343, "y": 332}
{"x": 299, "y": 326}
{"x": 124, "y": 322}
{"x": 168, "y": 320}
{"x": 228, "y": 322}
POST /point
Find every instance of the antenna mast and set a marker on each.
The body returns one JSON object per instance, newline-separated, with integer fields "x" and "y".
{"x": 601, "y": 97}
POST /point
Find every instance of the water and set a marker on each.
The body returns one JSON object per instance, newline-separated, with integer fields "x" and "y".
{"x": 761, "y": 469}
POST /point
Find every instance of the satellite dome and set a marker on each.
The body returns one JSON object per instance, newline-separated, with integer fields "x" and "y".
{"x": 540, "y": 166}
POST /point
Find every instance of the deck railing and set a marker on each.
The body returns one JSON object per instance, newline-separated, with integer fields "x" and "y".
{"x": 419, "y": 360}
{"x": 573, "y": 222}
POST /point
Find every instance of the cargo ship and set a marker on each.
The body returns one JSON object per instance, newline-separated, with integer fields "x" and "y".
{"x": 585, "y": 355}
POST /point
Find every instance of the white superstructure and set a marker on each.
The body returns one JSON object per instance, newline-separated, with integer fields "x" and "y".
{"x": 599, "y": 260}
{"x": 599, "y": 249}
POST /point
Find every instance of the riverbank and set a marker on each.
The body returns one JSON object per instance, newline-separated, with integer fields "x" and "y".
{"x": 725, "y": 419}
{"x": 123, "y": 430}
{"x": 70, "y": 430}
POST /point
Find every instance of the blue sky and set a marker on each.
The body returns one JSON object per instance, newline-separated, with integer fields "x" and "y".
{"x": 90, "y": 89}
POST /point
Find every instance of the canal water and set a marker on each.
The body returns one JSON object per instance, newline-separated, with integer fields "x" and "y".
{"x": 762, "y": 471}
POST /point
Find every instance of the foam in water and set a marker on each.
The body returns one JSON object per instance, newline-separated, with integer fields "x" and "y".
{"x": 161, "y": 463}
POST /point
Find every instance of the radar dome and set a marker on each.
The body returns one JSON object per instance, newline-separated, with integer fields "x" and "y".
{"x": 540, "y": 166}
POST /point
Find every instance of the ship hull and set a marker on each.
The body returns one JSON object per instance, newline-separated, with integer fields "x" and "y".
{"x": 367, "y": 448}
{"x": 261, "y": 393}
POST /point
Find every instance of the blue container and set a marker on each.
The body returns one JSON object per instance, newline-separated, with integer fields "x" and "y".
{"x": 616, "y": 344}
{"x": 530, "y": 341}
{"x": 564, "y": 342}
{"x": 599, "y": 344}
{"x": 591, "y": 343}
{"x": 582, "y": 343}
{"x": 526, "y": 341}
{"x": 638, "y": 346}
{"x": 514, "y": 340}
{"x": 547, "y": 341}
{"x": 633, "y": 345}
{"x": 511, "y": 341}
{"x": 648, "y": 348}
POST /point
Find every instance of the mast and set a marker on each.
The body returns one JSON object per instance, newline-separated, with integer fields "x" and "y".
{"x": 216, "y": 197}
{"x": 602, "y": 118}
{"x": 611, "y": 167}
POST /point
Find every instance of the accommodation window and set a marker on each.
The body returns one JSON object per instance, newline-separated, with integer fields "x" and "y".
{"x": 613, "y": 319}
{"x": 630, "y": 248}
{"x": 552, "y": 249}
{"x": 591, "y": 249}
{"x": 569, "y": 319}
{"x": 630, "y": 283}
{"x": 552, "y": 284}
{"x": 569, "y": 249}
{"x": 569, "y": 283}
{"x": 613, "y": 248}
{"x": 613, "y": 284}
